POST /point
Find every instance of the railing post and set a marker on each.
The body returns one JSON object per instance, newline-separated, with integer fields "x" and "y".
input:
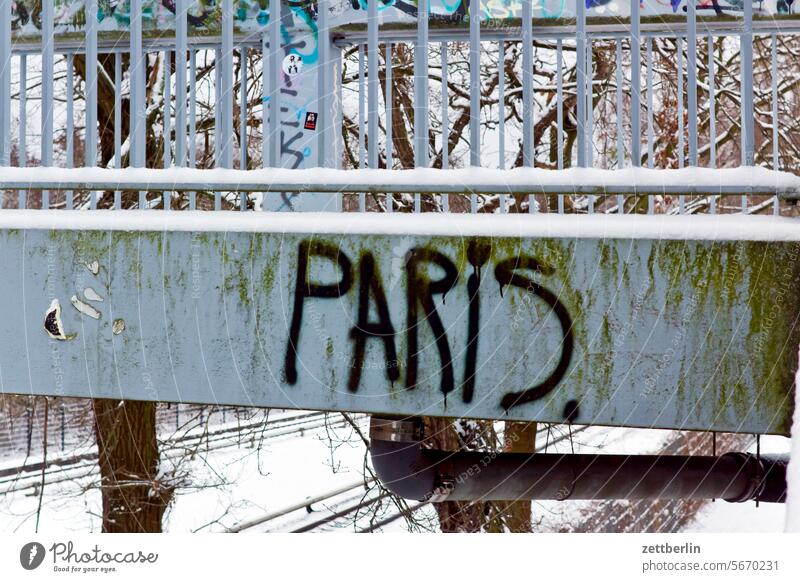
{"x": 273, "y": 82}
{"x": 372, "y": 84}
{"x": 748, "y": 124}
{"x": 580, "y": 68}
{"x": 181, "y": 45}
{"x": 90, "y": 156}
{"x": 636, "y": 87}
{"x": 48, "y": 61}
{"x": 137, "y": 81}
{"x": 226, "y": 87}
{"x": 527, "y": 83}
{"x": 691, "y": 72}
{"x": 5, "y": 82}
{"x": 421, "y": 86}
{"x": 325, "y": 83}
{"x": 475, "y": 83}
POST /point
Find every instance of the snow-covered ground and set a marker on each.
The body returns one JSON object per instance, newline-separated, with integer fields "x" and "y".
{"x": 239, "y": 482}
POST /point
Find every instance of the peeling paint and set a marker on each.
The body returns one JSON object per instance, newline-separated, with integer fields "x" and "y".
{"x": 92, "y": 295}
{"x": 94, "y": 267}
{"x": 118, "y": 326}
{"x": 52, "y": 322}
{"x": 84, "y": 308}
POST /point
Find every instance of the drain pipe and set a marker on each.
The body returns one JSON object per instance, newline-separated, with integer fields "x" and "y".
{"x": 413, "y": 472}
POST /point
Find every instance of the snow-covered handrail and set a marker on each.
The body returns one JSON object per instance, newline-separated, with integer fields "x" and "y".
{"x": 707, "y": 181}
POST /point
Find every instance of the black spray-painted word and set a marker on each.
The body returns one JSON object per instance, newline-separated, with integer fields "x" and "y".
{"x": 420, "y": 292}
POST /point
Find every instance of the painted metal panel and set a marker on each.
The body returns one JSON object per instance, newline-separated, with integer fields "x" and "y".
{"x": 696, "y": 334}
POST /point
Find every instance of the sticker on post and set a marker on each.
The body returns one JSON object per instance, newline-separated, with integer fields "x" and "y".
{"x": 292, "y": 65}
{"x": 311, "y": 121}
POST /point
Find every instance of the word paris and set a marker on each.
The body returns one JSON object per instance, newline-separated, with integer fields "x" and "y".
{"x": 528, "y": 318}
{"x": 421, "y": 306}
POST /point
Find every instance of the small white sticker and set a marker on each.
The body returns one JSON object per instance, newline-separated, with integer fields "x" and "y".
{"x": 292, "y": 64}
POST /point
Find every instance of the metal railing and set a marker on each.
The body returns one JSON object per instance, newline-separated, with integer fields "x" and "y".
{"x": 219, "y": 96}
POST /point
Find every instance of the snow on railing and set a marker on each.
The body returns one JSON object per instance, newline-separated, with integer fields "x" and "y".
{"x": 636, "y": 181}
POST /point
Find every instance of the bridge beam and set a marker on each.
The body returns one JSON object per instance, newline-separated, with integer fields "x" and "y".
{"x": 675, "y": 322}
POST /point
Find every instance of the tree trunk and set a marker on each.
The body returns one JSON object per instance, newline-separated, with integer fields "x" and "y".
{"x": 520, "y": 437}
{"x": 134, "y": 500}
{"x": 454, "y": 516}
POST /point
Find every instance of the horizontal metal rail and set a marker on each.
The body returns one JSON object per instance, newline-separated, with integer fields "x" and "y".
{"x": 111, "y": 42}
{"x": 637, "y": 181}
{"x": 511, "y": 29}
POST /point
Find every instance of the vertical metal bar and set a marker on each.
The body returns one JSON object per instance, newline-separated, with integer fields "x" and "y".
{"x": 243, "y": 142}
{"x": 91, "y": 85}
{"x": 474, "y": 92}
{"x": 362, "y": 96}
{"x": 560, "y": 113}
{"x": 181, "y": 45}
{"x": 589, "y": 105}
{"x": 265, "y": 107}
{"x": 650, "y": 88}
{"x": 580, "y": 68}
{"x": 274, "y": 77}
{"x": 421, "y": 88}
{"x": 446, "y": 122}
{"x": 243, "y": 157}
{"x": 167, "y": 153}
{"x": 372, "y": 83}
{"x": 389, "y": 111}
{"x": 475, "y": 87}
{"x": 527, "y": 83}
{"x": 117, "y": 122}
{"x": 712, "y": 114}
{"x": 70, "y": 137}
{"x": 681, "y": 122}
{"x": 748, "y": 119}
{"x": 650, "y": 99}
{"x": 192, "y": 161}
{"x": 219, "y": 131}
{"x": 681, "y": 125}
{"x": 636, "y": 87}
{"x": 589, "y": 114}
{"x": 501, "y": 114}
{"x": 560, "y": 99}
{"x": 23, "y": 122}
{"x": 137, "y": 82}
{"x": 619, "y": 104}
{"x": 389, "y": 108}
{"x": 774, "y": 82}
{"x": 325, "y": 83}
{"x": 167, "y": 115}
{"x": 47, "y": 83}
{"x": 712, "y": 117}
{"x": 776, "y": 203}
{"x": 501, "y": 103}
{"x": 445, "y": 109}
{"x": 48, "y": 58}
{"x": 70, "y": 161}
{"x": 226, "y": 89}
{"x": 691, "y": 65}
{"x": 5, "y": 82}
